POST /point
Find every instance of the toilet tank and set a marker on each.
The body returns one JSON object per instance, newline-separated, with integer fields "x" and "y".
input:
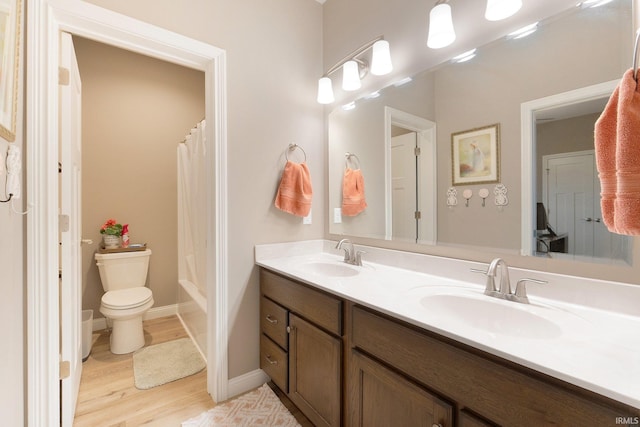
{"x": 122, "y": 270}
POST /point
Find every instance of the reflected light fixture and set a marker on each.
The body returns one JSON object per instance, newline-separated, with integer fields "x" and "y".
{"x": 464, "y": 57}
{"x": 501, "y": 9}
{"x": 523, "y": 32}
{"x": 354, "y": 69}
{"x": 441, "y": 31}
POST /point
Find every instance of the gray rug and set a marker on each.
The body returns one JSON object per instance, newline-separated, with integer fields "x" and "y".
{"x": 162, "y": 363}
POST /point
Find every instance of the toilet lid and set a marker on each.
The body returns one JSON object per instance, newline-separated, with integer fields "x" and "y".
{"x": 127, "y": 298}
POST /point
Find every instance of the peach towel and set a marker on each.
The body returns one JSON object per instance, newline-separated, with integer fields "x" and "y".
{"x": 294, "y": 193}
{"x": 617, "y": 145}
{"x": 353, "y": 201}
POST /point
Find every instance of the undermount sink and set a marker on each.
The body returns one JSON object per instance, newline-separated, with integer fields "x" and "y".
{"x": 329, "y": 269}
{"x": 492, "y": 315}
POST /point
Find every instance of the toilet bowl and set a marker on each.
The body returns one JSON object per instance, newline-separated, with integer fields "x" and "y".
{"x": 126, "y": 299}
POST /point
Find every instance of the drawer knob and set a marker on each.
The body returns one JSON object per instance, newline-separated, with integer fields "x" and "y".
{"x": 271, "y": 319}
{"x": 270, "y": 360}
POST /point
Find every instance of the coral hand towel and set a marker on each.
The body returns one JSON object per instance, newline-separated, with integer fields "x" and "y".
{"x": 627, "y": 203}
{"x": 353, "y": 200}
{"x": 605, "y": 137}
{"x": 294, "y": 193}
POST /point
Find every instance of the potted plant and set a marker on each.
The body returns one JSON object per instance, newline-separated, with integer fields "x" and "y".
{"x": 111, "y": 232}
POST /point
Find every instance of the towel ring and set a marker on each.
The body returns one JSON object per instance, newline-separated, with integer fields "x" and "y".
{"x": 348, "y": 156}
{"x": 292, "y": 147}
{"x": 635, "y": 56}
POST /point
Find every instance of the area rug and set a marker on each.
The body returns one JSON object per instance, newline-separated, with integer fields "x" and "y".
{"x": 162, "y": 363}
{"x": 260, "y": 407}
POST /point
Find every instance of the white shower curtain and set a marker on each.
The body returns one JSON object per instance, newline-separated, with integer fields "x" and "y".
{"x": 192, "y": 208}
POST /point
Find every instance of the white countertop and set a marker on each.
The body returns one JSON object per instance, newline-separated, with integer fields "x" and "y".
{"x": 594, "y": 335}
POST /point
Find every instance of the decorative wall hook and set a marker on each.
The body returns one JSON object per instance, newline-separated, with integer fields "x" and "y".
{"x": 452, "y": 197}
{"x": 483, "y": 193}
{"x": 467, "y": 194}
{"x": 500, "y": 191}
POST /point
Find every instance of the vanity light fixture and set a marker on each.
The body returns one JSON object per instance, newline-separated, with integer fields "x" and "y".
{"x": 523, "y": 32}
{"x": 594, "y": 3}
{"x": 464, "y": 57}
{"x": 349, "y": 106}
{"x": 501, "y": 9}
{"x": 403, "y": 82}
{"x": 355, "y": 68}
{"x": 441, "y": 32}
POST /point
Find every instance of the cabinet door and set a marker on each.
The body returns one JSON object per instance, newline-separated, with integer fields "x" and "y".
{"x": 315, "y": 366}
{"x": 380, "y": 397}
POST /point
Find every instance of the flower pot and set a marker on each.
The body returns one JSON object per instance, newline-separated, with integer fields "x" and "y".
{"x": 110, "y": 241}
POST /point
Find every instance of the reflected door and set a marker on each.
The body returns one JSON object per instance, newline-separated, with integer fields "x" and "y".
{"x": 404, "y": 186}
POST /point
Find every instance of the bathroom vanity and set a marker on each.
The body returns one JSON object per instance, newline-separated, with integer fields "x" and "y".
{"x": 357, "y": 354}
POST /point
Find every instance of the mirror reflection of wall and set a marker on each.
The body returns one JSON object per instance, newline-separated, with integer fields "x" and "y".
{"x": 578, "y": 48}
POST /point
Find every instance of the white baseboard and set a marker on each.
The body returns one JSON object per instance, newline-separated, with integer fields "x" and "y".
{"x": 246, "y": 382}
{"x": 153, "y": 313}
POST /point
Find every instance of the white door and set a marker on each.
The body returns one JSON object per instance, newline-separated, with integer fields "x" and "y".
{"x": 404, "y": 194}
{"x": 70, "y": 226}
{"x": 571, "y": 198}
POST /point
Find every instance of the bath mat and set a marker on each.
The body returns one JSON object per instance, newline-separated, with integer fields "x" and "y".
{"x": 162, "y": 363}
{"x": 260, "y": 407}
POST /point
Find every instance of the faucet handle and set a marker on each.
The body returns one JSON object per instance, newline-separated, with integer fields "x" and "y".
{"x": 358, "y": 259}
{"x": 521, "y": 291}
{"x": 490, "y": 287}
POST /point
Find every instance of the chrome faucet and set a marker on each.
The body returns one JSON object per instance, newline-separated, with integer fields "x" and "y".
{"x": 503, "y": 290}
{"x": 350, "y": 254}
{"x": 504, "y": 287}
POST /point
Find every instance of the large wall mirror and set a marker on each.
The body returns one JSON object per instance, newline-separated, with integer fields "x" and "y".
{"x": 10, "y": 19}
{"x": 576, "y": 49}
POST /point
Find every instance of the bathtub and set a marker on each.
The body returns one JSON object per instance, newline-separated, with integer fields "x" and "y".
{"x": 192, "y": 311}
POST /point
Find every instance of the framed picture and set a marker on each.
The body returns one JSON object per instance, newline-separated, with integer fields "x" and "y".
{"x": 475, "y": 155}
{"x": 10, "y": 20}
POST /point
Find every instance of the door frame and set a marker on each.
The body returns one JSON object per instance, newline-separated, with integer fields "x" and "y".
{"x": 426, "y": 134}
{"x": 46, "y": 19}
{"x": 528, "y": 160}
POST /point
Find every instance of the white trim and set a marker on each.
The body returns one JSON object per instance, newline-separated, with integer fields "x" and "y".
{"x": 46, "y": 19}
{"x": 528, "y": 158}
{"x": 248, "y": 381}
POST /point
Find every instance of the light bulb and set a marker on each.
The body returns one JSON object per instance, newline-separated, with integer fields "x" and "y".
{"x": 381, "y": 58}
{"x": 501, "y": 9}
{"x": 351, "y": 76}
{"x": 325, "y": 91}
{"x": 441, "y": 31}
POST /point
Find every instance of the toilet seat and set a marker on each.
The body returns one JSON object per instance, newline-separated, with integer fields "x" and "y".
{"x": 127, "y": 298}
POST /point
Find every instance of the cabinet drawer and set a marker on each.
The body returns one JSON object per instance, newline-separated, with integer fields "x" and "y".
{"x": 478, "y": 380}
{"x": 274, "y": 361}
{"x": 273, "y": 322}
{"x": 316, "y": 306}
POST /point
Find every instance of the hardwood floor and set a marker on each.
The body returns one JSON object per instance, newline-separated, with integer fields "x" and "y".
{"x": 109, "y": 398}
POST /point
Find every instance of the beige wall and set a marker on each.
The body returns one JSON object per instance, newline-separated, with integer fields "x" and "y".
{"x": 135, "y": 110}
{"x": 274, "y": 58}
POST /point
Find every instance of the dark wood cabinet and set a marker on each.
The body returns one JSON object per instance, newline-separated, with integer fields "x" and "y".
{"x": 380, "y": 397}
{"x": 301, "y": 346}
{"x": 344, "y": 364}
{"x": 484, "y": 389}
{"x": 315, "y": 372}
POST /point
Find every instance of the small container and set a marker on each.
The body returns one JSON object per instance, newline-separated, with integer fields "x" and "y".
{"x": 125, "y": 236}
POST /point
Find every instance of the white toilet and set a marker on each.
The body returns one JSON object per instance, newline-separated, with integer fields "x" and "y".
{"x": 126, "y": 299}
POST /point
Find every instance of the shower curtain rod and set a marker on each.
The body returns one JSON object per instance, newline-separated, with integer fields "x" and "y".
{"x": 185, "y": 139}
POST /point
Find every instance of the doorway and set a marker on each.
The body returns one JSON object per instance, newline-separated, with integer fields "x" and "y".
{"x": 86, "y": 20}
